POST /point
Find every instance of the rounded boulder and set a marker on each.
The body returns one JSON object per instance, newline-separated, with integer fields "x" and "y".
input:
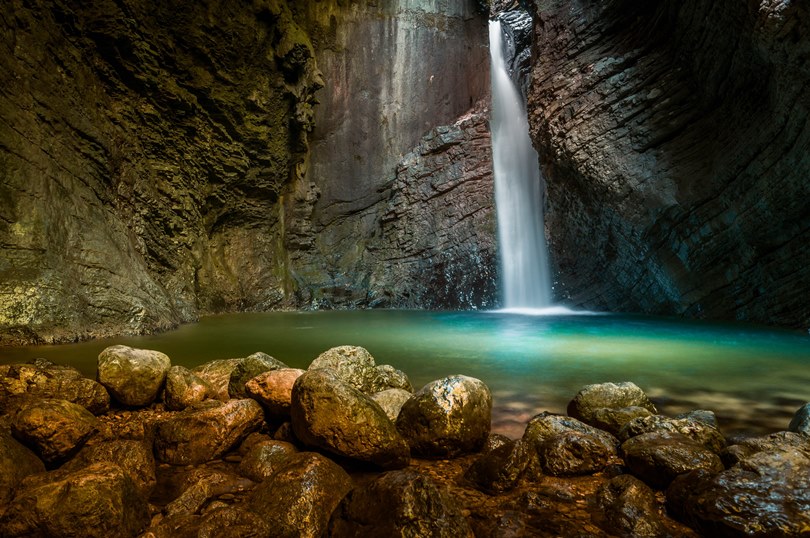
{"x": 134, "y": 377}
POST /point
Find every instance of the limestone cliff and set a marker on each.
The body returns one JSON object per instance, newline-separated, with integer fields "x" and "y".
{"x": 676, "y": 146}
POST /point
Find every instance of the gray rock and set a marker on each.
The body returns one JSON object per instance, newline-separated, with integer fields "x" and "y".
{"x": 768, "y": 443}
{"x": 400, "y": 503}
{"x": 766, "y": 494}
{"x": 447, "y": 417}
{"x": 133, "y": 457}
{"x": 700, "y": 415}
{"x": 132, "y": 376}
{"x": 16, "y": 462}
{"x": 42, "y": 379}
{"x": 658, "y": 458}
{"x": 391, "y": 401}
{"x": 265, "y": 458}
{"x": 184, "y": 388}
{"x": 607, "y": 395}
{"x": 247, "y": 369}
{"x": 801, "y": 420}
{"x": 273, "y": 390}
{"x": 54, "y": 429}
{"x": 98, "y": 501}
{"x": 698, "y": 431}
{"x": 218, "y": 374}
{"x": 564, "y": 446}
{"x": 332, "y": 415}
{"x": 205, "y": 432}
{"x": 387, "y": 377}
{"x": 298, "y": 500}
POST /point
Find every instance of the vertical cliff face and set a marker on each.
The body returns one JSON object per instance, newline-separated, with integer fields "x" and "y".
{"x": 144, "y": 149}
{"x": 676, "y": 141}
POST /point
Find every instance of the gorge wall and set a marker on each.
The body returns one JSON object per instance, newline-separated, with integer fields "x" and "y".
{"x": 676, "y": 146}
{"x": 158, "y": 161}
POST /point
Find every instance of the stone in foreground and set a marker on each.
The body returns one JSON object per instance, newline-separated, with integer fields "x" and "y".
{"x": 134, "y": 457}
{"x": 133, "y": 376}
{"x": 658, "y": 458}
{"x": 400, "y": 504}
{"x": 16, "y": 462}
{"x": 247, "y": 369}
{"x": 205, "y": 432}
{"x": 447, "y": 417}
{"x": 54, "y": 429}
{"x": 299, "y": 499}
{"x": 96, "y": 502}
{"x": 332, "y": 415}
{"x": 265, "y": 458}
{"x": 591, "y": 398}
{"x": 391, "y": 401}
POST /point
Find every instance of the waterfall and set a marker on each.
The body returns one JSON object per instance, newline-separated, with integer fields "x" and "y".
{"x": 518, "y": 190}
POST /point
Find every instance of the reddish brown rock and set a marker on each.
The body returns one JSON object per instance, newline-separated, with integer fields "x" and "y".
{"x": 273, "y": 389}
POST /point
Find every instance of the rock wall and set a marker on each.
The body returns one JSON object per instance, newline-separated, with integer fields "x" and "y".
{"x": 675, "y": 141}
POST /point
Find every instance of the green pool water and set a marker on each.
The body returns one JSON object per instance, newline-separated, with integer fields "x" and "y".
{"x": 753, "y": 378}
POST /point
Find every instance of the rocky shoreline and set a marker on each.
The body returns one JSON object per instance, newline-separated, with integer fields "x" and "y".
{"x": 248, "y": 447}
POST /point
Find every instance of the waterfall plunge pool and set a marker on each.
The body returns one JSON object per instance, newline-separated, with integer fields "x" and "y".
{"x": 753, "y": 378}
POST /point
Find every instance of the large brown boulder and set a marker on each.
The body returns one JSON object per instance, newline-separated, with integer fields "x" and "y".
{"x": 42, "y": 379}
{"x": 184, "y": 388}
{"x": 133, "y": 376}
{"x": 247, "y": 369}
{"x": 299, "y": 499}
{"x": 355, "y": 365}
{"x": 98, "y": 501}
{"x": 658, "y": 458}
{"x": 264, "y": 458}
{"x": 400, "y": 504}
{"x": 332, "y": 415}
{"x": 134, "y": 457}
{"x": 218, "y": 374}
{"x": 54, "y": 429}
{"x": 592, "y": 398}
{"x": 447, "y": 417}
{"x": 205, "y": 432}
{"x": 273, "y": 390}
{"x": 698, "y": 431}
{"x": 16, "y": 462}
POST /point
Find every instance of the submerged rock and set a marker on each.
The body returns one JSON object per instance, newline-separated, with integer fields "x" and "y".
{"x": 54, "y": 429}
{"x": 659, "y": 457}
{"x": 447, "y": 417}
{"x": 16, "y": 462}
{"x": 205, "y": 432}
{"x": 133, "y": 376}
{"x": 273, "y": 390}
{"x": 801, "y": 420}
{"x": 330, "y": 414}
{"x": 766, "y": 494}
{"x": 400, "y": 503}
{"x": 298, "y": 500}
{"x": 184, "y": 388}
{"x": 97, "y": 501}
{"x": 247, "y": 369}
{"x": 42, "y": 379}
{"x": 592, "y": 398}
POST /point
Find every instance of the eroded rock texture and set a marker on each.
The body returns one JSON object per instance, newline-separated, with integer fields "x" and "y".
{"x": 675, "y": 138}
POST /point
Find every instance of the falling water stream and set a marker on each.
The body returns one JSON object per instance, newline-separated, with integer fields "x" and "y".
{"x": 518, "y": 190}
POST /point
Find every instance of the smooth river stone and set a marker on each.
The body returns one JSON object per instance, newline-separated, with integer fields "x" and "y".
{"x": 134, "y": 377}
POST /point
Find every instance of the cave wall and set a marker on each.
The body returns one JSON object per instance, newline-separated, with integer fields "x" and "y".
{"x": 675, "y": 142}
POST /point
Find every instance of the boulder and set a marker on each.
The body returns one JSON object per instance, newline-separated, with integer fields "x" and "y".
{"x": 134, "y": 457}
{"x": 42, "y": 379}
{"x": 499, "y": 469}
{"x": 391, "y": 401}
{"x": 352, "y": 364}
{"x": 701, "y": 415}
{"x": 628, "y": 507}
{"x": 97, "y": 501}
{"x": 767, "y": 443}
{"x": 133, "y": 377}
{"x": 234, "y": 522}
{"x": 206, "y": 431}
{"x": 218, "y": 374}
{"x": 766, "y": 494}
{"x": 698, "y": 431}
{"x": 613, "y": 420}
{"x": 298, "y": 500}
{"x": 206, "y": 485}
{"x": 607, "y": 395}
{"x": 400, "y": 504}
{"x": 16, "y": 462}
{"x": 185, "y": 388}
{"x": 564, "y": 446}
{"x": 387, "y": 377}
{"x": 265, "y": 458}
{"x": 273, "y": 390}
{"x": 657, "y": 458}
{"x": 332, "y": 415}
{"x": 54, "y": 429}
{"x": 447, "y": 417}
{"x": 801, "y": 421}
{"x": 247, "y": 369}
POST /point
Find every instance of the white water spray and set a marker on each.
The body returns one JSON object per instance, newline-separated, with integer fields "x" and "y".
{"x": 518, "y": 191}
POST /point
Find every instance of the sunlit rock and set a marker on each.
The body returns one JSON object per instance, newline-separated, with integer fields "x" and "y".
{"x": 273, "y": 390}
{"x": 247, "y": 369}
{"x": 43, "y": 379}
{"x": 447, "y": 417}
{"x": 54, "y": 429}
{"x": 218, "y": 374}
{"x": 133, "y": 376}
{"x": 391, "y": 401}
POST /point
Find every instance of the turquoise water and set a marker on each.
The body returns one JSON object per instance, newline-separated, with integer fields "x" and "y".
{"x": 753, "y": 378}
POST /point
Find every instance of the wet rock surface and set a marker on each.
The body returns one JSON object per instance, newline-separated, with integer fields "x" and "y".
{"x": 184, "y": 388}
{"x": 801, "y": 420}
{"x": 225, "y": 469}
{"x": 54, "y": 429}
{"x": 132, "y": 376}
{"x": 273, "y": 390}
{"x": 593, "y": 399}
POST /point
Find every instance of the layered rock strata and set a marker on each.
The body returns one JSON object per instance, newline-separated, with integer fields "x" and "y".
{"x": 675, "y": 139}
